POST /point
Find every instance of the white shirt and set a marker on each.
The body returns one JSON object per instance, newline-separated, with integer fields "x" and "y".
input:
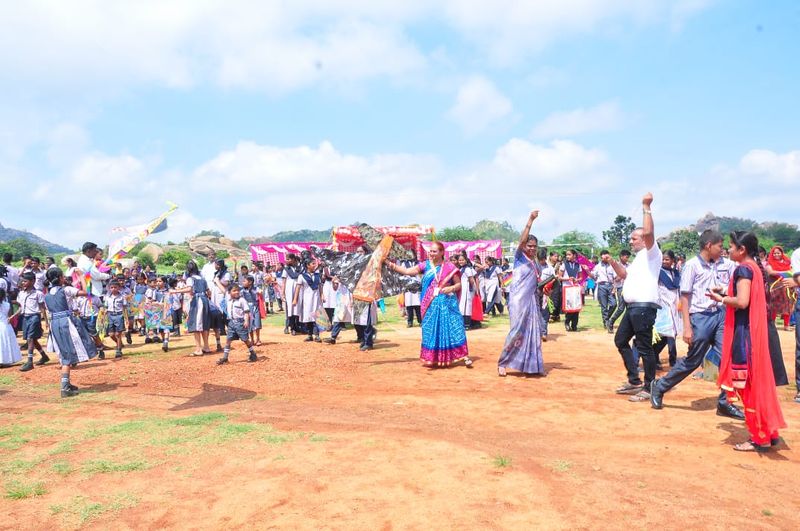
{"x": 603, "y": 272}
{"x": 208, "y": 273}
{"x": 86, "y": 265}
{"x": 12, "y": 275}
{"x": 641, "y": 283}
{"x": 795, "y": 262}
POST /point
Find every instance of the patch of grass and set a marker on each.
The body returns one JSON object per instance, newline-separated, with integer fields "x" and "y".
{"x": 17, "y": 435}
{"x": 274, "y": 438}
{"x": 64, "y": 447}
{"x": 62, "y": 467}
{"x": 7, "y": 379}
{"x": 101, "y": 466}
{"x": 18, "y": 490}
{"x": 81, "y": 510}
{"x": 560, "y": 465}
{"x": 502, "y": 461}
{"x": 18, "y": 466}
{"x": 766, "y": 512}
{"x": 56, "y": 509}
{"x": 318, "y": 438}
{"x": 202, "y": 419}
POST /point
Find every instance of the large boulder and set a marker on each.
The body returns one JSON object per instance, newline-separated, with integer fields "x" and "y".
{"x": 227, "y": 242}
{"x": 153, "y": 251}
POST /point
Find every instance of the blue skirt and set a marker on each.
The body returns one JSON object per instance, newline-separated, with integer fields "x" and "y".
{"x": 70, "y": 339}
{"x": 199, "y": 319}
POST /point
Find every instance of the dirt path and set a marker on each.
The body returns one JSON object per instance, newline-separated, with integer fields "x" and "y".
{"x": 316, "y": 436}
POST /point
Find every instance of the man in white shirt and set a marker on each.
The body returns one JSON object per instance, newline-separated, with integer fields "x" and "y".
{"x": 12, "y": 276}
{"x": 86, "y": 265}
{"x": 209, "y": 270}
{"x": 640, "y": 291}
{"x": 604, "y": 275}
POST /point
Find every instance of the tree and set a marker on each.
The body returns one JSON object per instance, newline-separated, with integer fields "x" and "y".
{"x": 618, "y": 235}
{"x": 457, "y": 233}
{"x": 173, "y": 256}
{"x": 584, "y": 242}
{"x": 207, "y": 232}
{"x": 784, "y": 234}
{"x": 20, "y": 247}
{"x": 684, "y": 241}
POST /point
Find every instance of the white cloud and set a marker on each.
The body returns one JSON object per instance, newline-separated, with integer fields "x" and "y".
{"x": 479, "y": 104}
{"x": 606, "y": 116}
{"x": 773, "y": 167}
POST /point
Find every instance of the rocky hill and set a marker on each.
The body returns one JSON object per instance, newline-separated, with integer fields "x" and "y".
{"x": 7, "y": 234}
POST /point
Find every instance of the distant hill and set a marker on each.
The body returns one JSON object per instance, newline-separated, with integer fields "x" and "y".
{"x": 8, "y": 234}
{"x": 304, "y": 235}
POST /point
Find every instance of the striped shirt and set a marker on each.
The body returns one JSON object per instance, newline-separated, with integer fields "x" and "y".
{"x": 699, "y": 276}
{"x": 115, "y": 303}
{"x": 30, "y": 301}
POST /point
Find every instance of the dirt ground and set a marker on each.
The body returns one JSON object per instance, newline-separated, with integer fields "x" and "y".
{"x": 326, "y": 437}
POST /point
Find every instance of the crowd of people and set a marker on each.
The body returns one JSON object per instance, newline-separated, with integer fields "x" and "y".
{"x": 723, "y": 303}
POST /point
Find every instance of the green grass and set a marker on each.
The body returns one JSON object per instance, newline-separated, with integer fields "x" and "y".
{"x": 80, "y": 510}
{"x": 766, "y": 512}
{"x": 62, "y": 468}
{"x": 64, "y": 447}
{"x": 560, "y": 465}
{"x": 202, "y": 419}
{"x": 502, "y": 461}
{"x": 18, "y": 490}
{"x": 318, "y": 438}
{"x": 18, "y": 466}
{"x": 102, "y": 466}
{"x": 7, "y": 379}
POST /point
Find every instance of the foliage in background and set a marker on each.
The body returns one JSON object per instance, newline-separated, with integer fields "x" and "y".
{"x": 618, "y": 235}
{"x": 172, "y": 256}
{"x": 585, "y": 242}
{"x": 208, "y": 232}
{"x": 20, "y": 247}
{"x": 685, "y": 242}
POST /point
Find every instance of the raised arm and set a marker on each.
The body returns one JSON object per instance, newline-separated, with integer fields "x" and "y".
{"x": 648, "y": 233}
{"x": 410, "y": 271}
{"x": 523, "y": 237}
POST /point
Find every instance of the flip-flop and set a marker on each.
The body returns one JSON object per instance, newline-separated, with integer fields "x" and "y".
{"x": 196, "y": 353}
{"x": 501, "y": 372}
{"x": 752, "y": 447}
{"x": 641, "y": 396}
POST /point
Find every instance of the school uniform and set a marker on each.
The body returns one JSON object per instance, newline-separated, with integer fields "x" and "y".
{"x": 85, "y": 308}
{"x": 236, "y": 310}
{"x": 115, "y": 308}
{"x": 251, "y": 297}
{"x": 411, "y": 300}
{"x": 329, "y": 298}
{"x": 176, "y": 306}
{"x": 218, "y": 302}
{"x": 199, "y": 318}
{"x": 139, "y": 291}
{"x": 68, "y": 337}
{"x": 309, "y": 294}
{"x": 30, "y": 302}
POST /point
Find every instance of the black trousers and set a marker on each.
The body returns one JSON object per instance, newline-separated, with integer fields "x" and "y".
{"x": 637, "y": 324}
{"x": 571, "y": 320}
{"x": 411, "y": 311}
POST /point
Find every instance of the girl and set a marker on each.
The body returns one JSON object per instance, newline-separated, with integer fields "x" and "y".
{"x": 151, "y": 295}
{"x": 291, "y": 273}
{"x": 176, "y": 305}
{"x": 250, "y": 295}
{"x": 70, "y": 339}
{"x": 199, "y": 318}
{"x": 139, "y": 291}
{"x": 468, "y": 290}
{"x": 222, "y": 279}
{"x": 571, "y": 275}
{"x": 494, "y": 298}
{"x": 307, "y": 290}
{"x": 165, "y": 324}
{"x": 9, "y": 349}
{"x": 745, "y": 368}
{"x": 31, "y": 306}
{"x": 669, "y": 283}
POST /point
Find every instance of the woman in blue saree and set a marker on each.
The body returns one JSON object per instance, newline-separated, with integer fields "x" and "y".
{"x": 444, "y": 339}
{"x": 522, "y": 350}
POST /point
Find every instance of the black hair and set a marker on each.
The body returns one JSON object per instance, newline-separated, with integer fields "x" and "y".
{"x": 191, "y": 268}
{"x": 71, "y": 262}
{"x": 604, "y": 251}
{"x": 244, "y": 266}
{"x": 710, "y": 236}
{"x": 2, "y": 294}
{"x": 36, "y": 259}
{"x": 8, "y": 258}
{"x": 141, "y": 276}
{"x": 54, "y": 277}
{"x": 164, "y": 279}
{"x": 50, "y": 259}
{"x": 746, "y": 239}
{"x": 761, "y": 250}
{"x": 624, "y": 252}
{"x": 233, "y": 286}
{"x": 3, "y": 271}
{"x": 88, "y": 246}
{"x": 173, "y": 282}
{"x": 541, "y": 254}
{"x": 27, "y": 275}
{"x": 670, "y": 254}
{"x": 464, "y": 254}
{"x": 114, "y": 283}
{"x": 223, "y": 268}
{"x": 250, "y": 278}
{"x": 531, "y": 237}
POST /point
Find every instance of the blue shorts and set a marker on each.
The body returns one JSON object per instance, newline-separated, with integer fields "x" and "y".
{"x": 90, "y": 323}
{"x": 236, "y": 330}
{"x": 116, "y": 323}
{"x": 31, "y": 326}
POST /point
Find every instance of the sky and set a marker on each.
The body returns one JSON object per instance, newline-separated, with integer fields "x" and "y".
{"x": 257, "y": 117}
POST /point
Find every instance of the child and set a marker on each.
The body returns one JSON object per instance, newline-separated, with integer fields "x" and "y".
{"x": 9, "y": 349}
{"x": 307, "y": 290}
{"x": 219, "y": 287}
{"x": 238, "y": 325}
{"x": 176, "y": 305}
{"x": 165, "y": 325}
{"x": 250, "y": 295}
{"x": 116, "y": 303}
{"x": 139, "y": 291}
{"x": 151, "y": 295}
{"x": 31, "y": 305}
{"x": 126, "y": 284}
{"x": 71, "y": 341}
{"x": 198, "y": 318}
{"x": 343, "y": 310}
{"x": 85, "y": 306}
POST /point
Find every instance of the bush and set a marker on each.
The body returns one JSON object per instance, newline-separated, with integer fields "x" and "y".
{"x": 146, "y": 260}
{"x": 223, "y": 255}
{"x": 179, "y": 266}
{"x": 172, "y": 256}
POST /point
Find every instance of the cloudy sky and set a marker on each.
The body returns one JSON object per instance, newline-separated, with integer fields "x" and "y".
{"x": 257, "y": 117}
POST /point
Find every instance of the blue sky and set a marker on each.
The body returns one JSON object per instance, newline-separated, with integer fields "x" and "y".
{"x": 257, "y": 117}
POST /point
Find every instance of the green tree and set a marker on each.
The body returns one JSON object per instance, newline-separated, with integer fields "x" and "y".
{"x": 171, "y": 256}
{"x": 208, "y": 232}
{"x": 146, "y": 260}
{"x": 784, "y": 234}
{"x": 684, "y": 241}
{"x": 584, "y": 242}
{"x": 495, "y": 230}
{"x": 20, "y": 247}
{"x": 618, "y": 235}
{"x": 457, "y": 233}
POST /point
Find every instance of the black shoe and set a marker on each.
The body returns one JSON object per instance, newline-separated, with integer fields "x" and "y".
{"x": 610, "y": 328}
{"x": 656, "y": 396}
{"x": 101, "y": 355}
{"x": 65, "y": 393}
{"x": 147, "y": 341}
{"x": 286, "y": 330}
{"x": 410, "y": 325}
{"x": 730, "y": 411}
{"x": 219, "y": 348}
{"x": 44, "y": 359}
{"x": 329, "y": 340}
{"x": 309, "y": 338}
{"x": 165, "y": 347}
{"x": 118, "y": 355}
{"x": 365, "y": 348}
{"x": 128, "y": 339}
{"x": 73, "y": 387}
{"x": 27, "y": 366}
{"x": 222, "y": 361}
{"x": 317, "y": 339}
{"x": 252, "y": 358}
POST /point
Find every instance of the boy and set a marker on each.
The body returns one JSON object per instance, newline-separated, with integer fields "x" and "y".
{"x": 238, "y": 325}
{"x": 31, "y": 306}
{"x": 115, "y": 305}
{"x": 176, "y": 305}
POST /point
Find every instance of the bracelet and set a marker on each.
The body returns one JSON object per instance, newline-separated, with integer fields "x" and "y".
{"x": 647, "y": 211}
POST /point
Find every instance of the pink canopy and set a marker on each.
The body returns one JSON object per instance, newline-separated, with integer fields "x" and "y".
{"x": 482, "y": 248}
{"x": 273, "y": 253}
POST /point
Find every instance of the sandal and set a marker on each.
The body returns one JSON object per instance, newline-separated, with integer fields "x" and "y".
{"x": 501, "y": 372}
{"x": 641, "y": 396}
{"x": 195, "y": 353}
{"x": 468, "y": 363}
{"x": 750, "y": 446}
{"x": 628, "y": 389}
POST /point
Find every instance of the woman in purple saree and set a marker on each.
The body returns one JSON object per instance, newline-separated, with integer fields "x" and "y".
{"x": 444, "y": 340}
{"x": 523, "y": 347}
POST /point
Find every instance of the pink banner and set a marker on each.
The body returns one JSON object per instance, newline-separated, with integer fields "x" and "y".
{"x": 482, "y": 248}
{"x": 273, "y": 253}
